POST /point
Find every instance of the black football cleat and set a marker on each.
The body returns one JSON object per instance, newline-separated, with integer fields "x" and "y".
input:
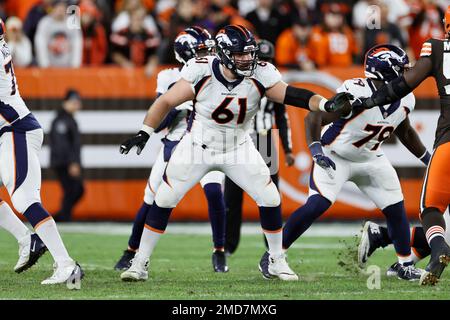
{"x": 29, "y": 253}
{"x": 219, "y": 261}
{"x": 393, "y": 270}
{"x": 371, "y": 240}
{"x": 124, "y": 262}
{"x": 264, "y": 265}
{"x": 409, "y": 273}
{"x": 439, "y": 260}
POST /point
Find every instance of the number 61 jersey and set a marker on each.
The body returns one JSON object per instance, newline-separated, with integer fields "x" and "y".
{"x": 223, "y": 109}
{"x": 359, "y": 137}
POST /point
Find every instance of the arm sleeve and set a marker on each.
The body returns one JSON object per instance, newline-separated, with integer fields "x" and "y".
{"x": 282, "y": 123}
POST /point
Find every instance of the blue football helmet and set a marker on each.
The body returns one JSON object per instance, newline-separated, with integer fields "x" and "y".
{"x": 235, "y": 40}
{"x": 190, "y": 42}
{"x": 385, "y": 62}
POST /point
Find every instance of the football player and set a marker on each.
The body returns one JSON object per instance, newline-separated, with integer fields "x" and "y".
{"x": 192, "y": 42}
{"x": 349, "y": 150}
{"x": 21, "y": 138}
{"x": 227, "y": 90}
{"x": 434, "y": 61}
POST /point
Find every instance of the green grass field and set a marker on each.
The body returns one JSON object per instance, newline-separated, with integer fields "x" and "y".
{"x": 181, "y": 269}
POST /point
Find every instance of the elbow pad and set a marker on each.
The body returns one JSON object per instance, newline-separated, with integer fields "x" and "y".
{"x": 298, "y": 97}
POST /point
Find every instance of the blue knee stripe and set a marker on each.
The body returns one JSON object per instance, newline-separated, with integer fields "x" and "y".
{"x": 270, "y": 217}
{"x": 158, "y": 218}
{"x": 35, "y": 214}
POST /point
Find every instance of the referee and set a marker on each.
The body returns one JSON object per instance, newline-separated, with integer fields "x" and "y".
{"x": 262, "y": 138}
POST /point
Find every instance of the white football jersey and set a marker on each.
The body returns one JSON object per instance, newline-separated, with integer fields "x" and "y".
{"x": 12, "y": 107}
{"x": 223, "y": 110}
{"x": 165, "y": 80}
{"x": 359, "y": 137}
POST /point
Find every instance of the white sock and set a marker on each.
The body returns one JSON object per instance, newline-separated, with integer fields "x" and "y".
{"x": 10, "y": 222}
{"x": 404, "y": 259}
{"x": 148, "y": 242}
{"x": 47, "y": 231}
{"x": 275, "y": 242}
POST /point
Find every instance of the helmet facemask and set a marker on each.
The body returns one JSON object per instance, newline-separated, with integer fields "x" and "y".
{"x": 244, "y": 63}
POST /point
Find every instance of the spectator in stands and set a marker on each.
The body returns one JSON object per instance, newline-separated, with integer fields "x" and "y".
{"x": 55, "y": 44}
{"x": 222, "y": 14}
{"x": 386, "y": 33}
{"x": 36, "y": 13}
{"x": 95, "y": 43}
{"x": 135, "y": 46}
{"x": 293, "y": 47}
{"x": 123, "y": 19}
{"x": 267, "y": 21}
{"x": 302, "y": 10}
{"x": 65, "y": 154}
{"x": 333, "y": 43}
{"x": 427, "y": 23}
{"x": 19, "y": 44}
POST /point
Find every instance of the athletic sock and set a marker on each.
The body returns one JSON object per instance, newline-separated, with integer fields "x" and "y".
{"x": 138, "y": 227}
{"x": 272, "y": 223}
{"x": 434, "y": 226}
{"x": 398, "y": 228}
{"x": 11, "y": 223}
{"x": 155, "y": 226}
{"x": 45, "y": 227}
{"x": 302, "y": 218}
{"x": 216, "y": 213}
{"x": 419, "y": 245}
{"x": 385, "y": 240}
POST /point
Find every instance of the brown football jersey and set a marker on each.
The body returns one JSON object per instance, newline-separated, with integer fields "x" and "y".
{"x": 438, "y": 50}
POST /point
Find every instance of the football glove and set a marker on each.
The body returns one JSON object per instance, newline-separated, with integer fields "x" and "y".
{"x": 139, "y": 141}
{"x": 339, "y": 101}
{"x": 321, "y": 159}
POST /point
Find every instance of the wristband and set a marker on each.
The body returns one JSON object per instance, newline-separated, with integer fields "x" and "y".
{"x": 425, "y": 158}
{"x": 322, "y": 104}
{"x": 147, "y": 129}
{"x": 315, "y": 148}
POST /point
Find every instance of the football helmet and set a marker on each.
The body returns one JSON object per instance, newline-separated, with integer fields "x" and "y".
{"x": 234, "y": 42}
{"x": 191, "y": 41}
{"x": 385, "y": 62}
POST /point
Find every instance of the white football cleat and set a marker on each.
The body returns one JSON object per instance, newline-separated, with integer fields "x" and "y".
{"x": 138, "y": 270}
{"x": 64, "y": 272}
{"x": 278, "y": 267}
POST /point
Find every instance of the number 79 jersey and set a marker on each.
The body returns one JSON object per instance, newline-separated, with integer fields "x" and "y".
{"x": 223, "y": 110}
{"x": 359, "y": 137}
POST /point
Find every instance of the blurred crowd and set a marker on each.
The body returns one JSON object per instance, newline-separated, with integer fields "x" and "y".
{"x": 308, "y": 34}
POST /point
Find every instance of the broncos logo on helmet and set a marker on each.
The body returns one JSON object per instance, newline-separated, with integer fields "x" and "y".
{"x": 190, "y": 42}
{"x": 385, "y": 62}
{"x": 236, "y": 50}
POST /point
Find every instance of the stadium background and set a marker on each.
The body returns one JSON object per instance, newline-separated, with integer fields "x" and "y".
{"x": 116, "y": 96}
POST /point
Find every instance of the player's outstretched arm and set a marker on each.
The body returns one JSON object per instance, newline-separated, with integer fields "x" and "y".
{"x": 400, "y": 87}
{"x": 410, "y": 139}
{"x": 281, "y": 92}
{"x": 180, "y": 92}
